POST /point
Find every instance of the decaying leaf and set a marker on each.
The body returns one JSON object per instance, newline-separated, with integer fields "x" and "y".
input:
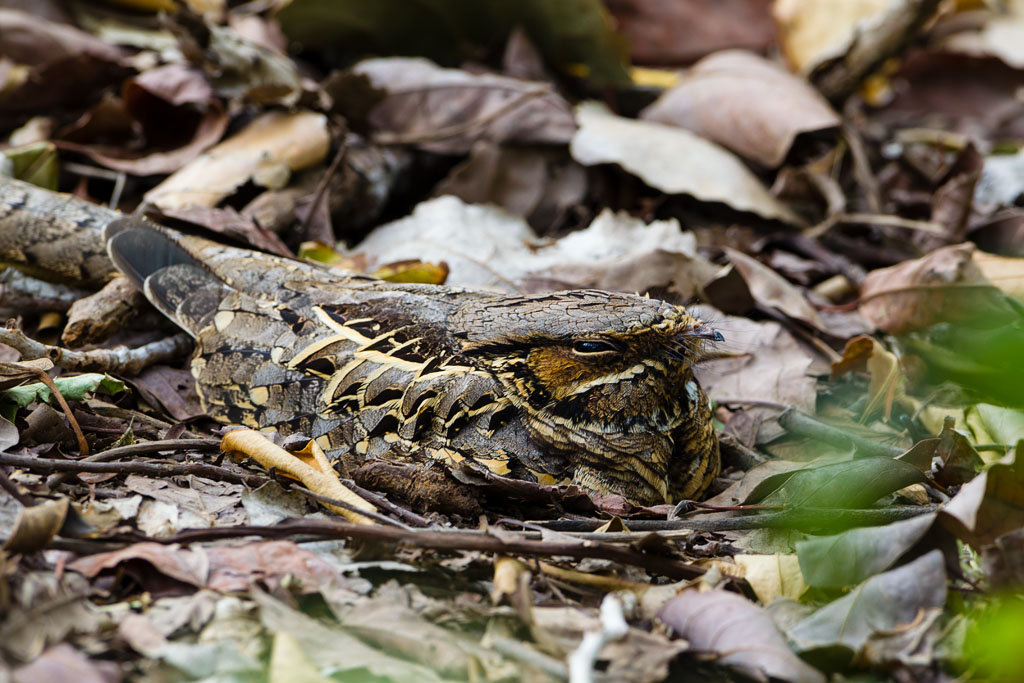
{"x": 309, "y": 466}
{"x": 223, "y": 568}
{"x": 266, "y": 152}
{"x": 887, "y": 380}
{"x": 653, "y": 28}
{"x": 990, "y": 505}
{"x": 885, "y": 603}
{"x": 148, "y": 101}
{"x": 672, "y": 160}
{"x": 739, "y": 633}
{"x": 764, "y": 363}
{"x": 504, "y": 251}
{"x": 814, "y": 31}
{"x": 773, "y": 576}
{"x": 36, "y": 526}
{"x": 771, "y": 289}
{"x": 745, "y": 103}
{"x": 944, "y": 286}
{"x": 447, "y": 110}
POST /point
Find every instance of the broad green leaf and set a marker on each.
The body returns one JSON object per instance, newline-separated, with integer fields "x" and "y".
{"x": 851, "y": 484}
{"x": 75, "y": 388}
{"x": 883, "y": 604}
{"x": 576, "y": 37}
{"x": 853, "y": 556}
{"x": 35, "y": 163}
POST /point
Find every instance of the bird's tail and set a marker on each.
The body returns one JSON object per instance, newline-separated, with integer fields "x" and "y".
{"x": 171, "y": 277}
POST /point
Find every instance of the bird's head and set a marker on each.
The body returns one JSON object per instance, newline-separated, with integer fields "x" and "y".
{"x": 603, "y": 378}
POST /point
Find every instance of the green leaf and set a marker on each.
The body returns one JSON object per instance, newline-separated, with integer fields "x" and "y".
{"x": 848, "y": 558}
{"x": 76, "y": 388}
{"x": 35, "y": 163}
{"x": 884, "y": 604}
{"x": 575, "y": 36}
{"x": 850, "y": 484}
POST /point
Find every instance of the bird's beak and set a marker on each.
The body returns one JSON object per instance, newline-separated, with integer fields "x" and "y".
{"x": 704, "y": 331}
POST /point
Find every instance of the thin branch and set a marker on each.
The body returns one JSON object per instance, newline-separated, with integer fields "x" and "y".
{"x": 7, "y": 485}
{"x": 83, "y": 445}
{"x": 433, "y": 539}
{"x": 121, "y": 360}
{"x": 135, "y": 449}
{"x": 322, "y": 184}
{"x": 147, "y": 469}
{"x": 337, "y": 502}
{"x": 383, "y": 503}
{"x": 803, "y": 519}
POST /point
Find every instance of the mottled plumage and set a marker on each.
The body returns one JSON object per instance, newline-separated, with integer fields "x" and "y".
{"x": 584, "y": 386}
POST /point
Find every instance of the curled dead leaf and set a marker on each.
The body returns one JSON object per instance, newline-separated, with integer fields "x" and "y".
{"x": 746, "y": 103}
{"x": 310, "y": 466}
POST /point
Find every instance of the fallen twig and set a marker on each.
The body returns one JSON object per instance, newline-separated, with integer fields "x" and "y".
{"x": 885, "y": 38}
{"x": 434, "y": 539}
{"x": 338, "y": 503}
{"x": 140, "y": 449}
{"x": 83, "y": 445}
{"x": 810, "y": 520}
{"x": 121, "y": 360}
{"x": 147, "y": 469}
{"x": 382, "y": 502}
{"x": 7, "y": 485}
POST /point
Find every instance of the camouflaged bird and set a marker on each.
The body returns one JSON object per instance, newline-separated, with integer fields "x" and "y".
{"x": 591, "y": 387}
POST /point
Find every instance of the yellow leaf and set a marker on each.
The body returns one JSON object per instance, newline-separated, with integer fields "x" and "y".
{"x": 1002, "y": 271}
{"x": 416, "y": 272}
{"x": 654, "y": 78}
{"x": 772, "y": 576}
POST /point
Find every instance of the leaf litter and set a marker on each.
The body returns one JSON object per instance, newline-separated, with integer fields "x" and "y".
{"x": 868, "y": 391}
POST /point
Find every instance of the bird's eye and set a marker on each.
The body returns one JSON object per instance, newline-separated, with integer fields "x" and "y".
{"x": 593, "y": 346}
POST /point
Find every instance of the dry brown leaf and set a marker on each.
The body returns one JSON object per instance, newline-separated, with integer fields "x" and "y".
{"x": 266, "y": 152}
{"x": 36, "y": 526}
{"x": 221, "y": 568}
{"x": 741, "y": 634}
{"x": 13, "y": 373}
{"x": 771, "y": 289}
{"x": 50, "y": 66}
{"x": 615, "y": 251}
{"x": 1000, "y": 36}
{"x": 540, "y": 184}
{"x": 672, "y": 160}
{"x": 888, "y": 382}
{"x": 447, "y": 110}
{"x": 228, "y": 221}
{"x": 944, "y": 286}
{"x": 171, "y": 92}
{"x": 746, "y": 103}
{"x": 989, "y": 506}
{"x": 62, "y": 662}
{"x": 769, "y": 365}
{"x": 653, "y": 28}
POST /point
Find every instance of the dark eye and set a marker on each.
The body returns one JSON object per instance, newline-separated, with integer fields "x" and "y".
{"x": 590, "y": 346}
